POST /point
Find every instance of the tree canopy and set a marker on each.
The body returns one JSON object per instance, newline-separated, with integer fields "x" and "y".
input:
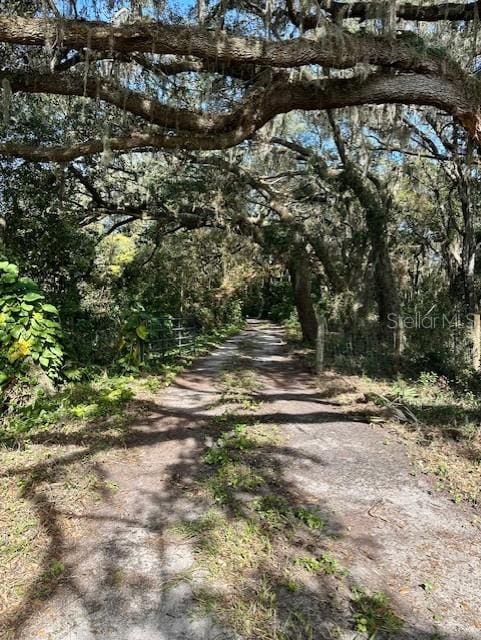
{"x": 308, "y": 154}
{"x": 212, "y": 75}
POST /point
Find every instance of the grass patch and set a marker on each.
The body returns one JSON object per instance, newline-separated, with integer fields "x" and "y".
{"x": 76, "y": 401}
{"x": 164, "y": 377}
{"x": 292, "y": 329}
{"x": 233, "y": 469}
{"x": 326, "y": 563}
{"x": 239, "y": 379}
{"x": 311, "y": 519}
{"x": 227, "y": 547}
{"x": 232, "y": 477}
{"x": 239, "y": 384}
{"x": 273, "y": 511}
{"x": 236, "y": 439}
{"x": 373, "y": 614}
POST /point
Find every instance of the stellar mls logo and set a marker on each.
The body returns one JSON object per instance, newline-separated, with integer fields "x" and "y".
{"x": 429, "y": 321}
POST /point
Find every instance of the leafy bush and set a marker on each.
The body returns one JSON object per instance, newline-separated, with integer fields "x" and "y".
{"x": 29, "y": 328}
{"x": 292, "y": 327}
{"x": 139, "y": 325}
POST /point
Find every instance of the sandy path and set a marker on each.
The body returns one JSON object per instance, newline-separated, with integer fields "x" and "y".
{"x": 395, "y": 532}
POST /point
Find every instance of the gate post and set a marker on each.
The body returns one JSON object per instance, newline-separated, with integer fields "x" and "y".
{"x": 320, "y": 340}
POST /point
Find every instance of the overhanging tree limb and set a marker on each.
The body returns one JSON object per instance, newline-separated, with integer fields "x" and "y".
{"x": 212, "y": 130}
{"x": 334, "y": 48}
{"x": 404, "y": 70}
{"x": 449, "y": 11}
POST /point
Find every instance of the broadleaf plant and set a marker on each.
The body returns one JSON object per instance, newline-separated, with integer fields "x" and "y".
{"x": 30, "y": 332}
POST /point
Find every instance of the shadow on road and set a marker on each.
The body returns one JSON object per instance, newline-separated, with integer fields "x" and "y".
{"x": 131, "y": 574}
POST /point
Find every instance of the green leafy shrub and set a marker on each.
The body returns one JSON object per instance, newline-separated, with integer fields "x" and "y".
{"x": 292, "y": 327}
{"x": 326, "y": 563}
{"x": 29, "y": 328}
{"x": 237, "y": 439}
{"x": 428, "y": 378}
{"x": 138, "y": 327}
{"x": 311, "y": 519}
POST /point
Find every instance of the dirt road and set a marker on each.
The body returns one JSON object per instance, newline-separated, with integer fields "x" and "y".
{"x": 393, "y": 532}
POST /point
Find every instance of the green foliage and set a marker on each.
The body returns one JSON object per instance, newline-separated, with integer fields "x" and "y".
{"x": 428, "y": 378}
{"x": 278, "y": 300}
{"x": 29, "y": 328}
{"x": 230, "y": 477}
{"x": 115, "y": 253}
{"x": 238, "y": 379}
{"x": 98, "y": 398}
{"x": 273, "y": 511}
{"x": 217, "y": 455}
{"x": 138, "y": 326}
{"x": 56, "y": 568}
{"x": 311, "y": 519}
{"x": 400, "y": 391}
{"x": 293, "y": 328}
{"x": 236, "y": 439}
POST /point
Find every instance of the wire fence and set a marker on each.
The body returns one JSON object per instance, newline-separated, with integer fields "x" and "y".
{"x": 176, "y": 336}
{"x": 167, "y": 338}
{"x": 423, "y": 349}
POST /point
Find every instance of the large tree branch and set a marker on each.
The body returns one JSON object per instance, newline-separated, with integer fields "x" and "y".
{"x": 170, "y": 67}
{"x": 449, "y": 11}
{"x": 198, "y": 130}
{"x": 93, "y": 87}
{"x": 190, "y": 217}
{"x": 192, "y": 65}
{"x": 335, "y": 48}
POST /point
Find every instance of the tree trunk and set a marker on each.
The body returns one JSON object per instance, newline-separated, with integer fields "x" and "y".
{"x": 324, "y": 255}
{"x": 386, "y": 288}
{"x": 476, "y": 340}
{"x": 468, "y": 264}
{"x": 320, "y": 341}
{"x": 370, "y": 194}
{"x": 300, "y": 272}
{"x": 471, "y": 299}
{"x": 3, "y": 228}
{"x": 201, "y": 11}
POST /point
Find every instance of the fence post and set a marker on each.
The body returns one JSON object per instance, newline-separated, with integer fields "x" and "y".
{"x": 476, "y": 339}
{"x": 320, "y": 340}
{"x": 399, "y": 340}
